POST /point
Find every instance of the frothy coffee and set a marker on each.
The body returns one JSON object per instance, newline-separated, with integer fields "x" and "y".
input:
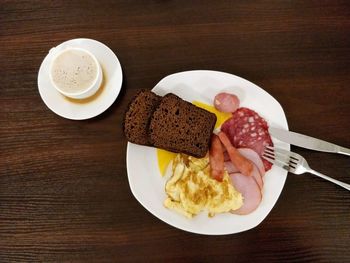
{"x": 74, "y": 71}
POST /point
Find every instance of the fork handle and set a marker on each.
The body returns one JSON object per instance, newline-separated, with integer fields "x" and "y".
{"x": 344, "y": 185}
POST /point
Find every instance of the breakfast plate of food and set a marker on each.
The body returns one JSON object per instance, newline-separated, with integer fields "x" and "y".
{"x": 194, "y": 156}
{"x": 80, "y": 78}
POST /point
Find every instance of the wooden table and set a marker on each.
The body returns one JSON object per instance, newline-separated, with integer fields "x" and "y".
{"x": 64, "y": 192}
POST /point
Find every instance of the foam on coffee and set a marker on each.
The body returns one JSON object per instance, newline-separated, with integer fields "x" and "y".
{"x": 74, "y": 71}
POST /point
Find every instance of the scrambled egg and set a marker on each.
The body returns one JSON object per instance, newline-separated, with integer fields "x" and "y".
{"x": 191, "y": 189}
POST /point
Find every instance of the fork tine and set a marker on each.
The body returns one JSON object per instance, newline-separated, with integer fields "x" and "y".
{"x": 274, "y": 149}
{"x": 269, "y": 147}
{"x": 292, "y": 155}
{"x": 270, "y": 155}
{"x": 269, "y": 150}
{"x": 276, "y": 162}
{"x": 296, "y": 164}
{"x": 276, "y": 154}
{"x": 268, "y": 158}
{"x": 277, "y": 149}
{"x": 283, "y": 158}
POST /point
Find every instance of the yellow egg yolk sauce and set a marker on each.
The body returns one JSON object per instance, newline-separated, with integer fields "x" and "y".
{"x": 165, "y": 157}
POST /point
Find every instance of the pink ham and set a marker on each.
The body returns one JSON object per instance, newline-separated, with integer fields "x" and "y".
{"x": 250, "y": 190}
{"x": 257, "y": 176}
{"x": 226, "y": 102}
{"x": 254, "y": 158}
{"x": 251, "y": 155}
{"x": 230, "y": 167}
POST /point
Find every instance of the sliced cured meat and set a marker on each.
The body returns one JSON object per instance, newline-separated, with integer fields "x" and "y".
{"x": 257, "y": 176}
{"x": 226, "y": 102}
{"x": 242, "y": 163}
{"x": 244, "y": 121}
{"x": 258, "y": 166}
{"x": 226, "y": 156}
{"x": 250, "y": 191}
{"x": 216, "y": 158}
{"x": 254, "y": 158}
{"x": 246, "y": 129}
{"x": 230, "y": 167}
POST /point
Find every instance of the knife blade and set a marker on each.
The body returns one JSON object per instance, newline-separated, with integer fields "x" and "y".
{"x": 307, "y": 142}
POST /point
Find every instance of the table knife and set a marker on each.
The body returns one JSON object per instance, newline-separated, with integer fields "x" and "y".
{"x": 307, "y": 142}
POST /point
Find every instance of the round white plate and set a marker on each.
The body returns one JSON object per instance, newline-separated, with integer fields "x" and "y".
{"x": 146, "y": 182}
{"x": 86, "y": 108}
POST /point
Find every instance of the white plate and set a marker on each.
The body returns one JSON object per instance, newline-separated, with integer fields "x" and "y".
{"x": 146, "y": 182}
{"x": 90, "y": 107}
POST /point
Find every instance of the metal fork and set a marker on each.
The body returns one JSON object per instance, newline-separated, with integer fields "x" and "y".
{"x": 295, "y": 163}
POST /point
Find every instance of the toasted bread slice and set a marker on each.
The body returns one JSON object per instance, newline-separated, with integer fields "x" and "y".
{"x": 179, "y": 126}
{"x": 138, "y": 116}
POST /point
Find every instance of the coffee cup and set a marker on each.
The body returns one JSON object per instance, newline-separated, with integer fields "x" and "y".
{"x": 75, "y": 73}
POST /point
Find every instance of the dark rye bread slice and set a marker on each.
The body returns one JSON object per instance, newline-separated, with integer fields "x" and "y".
{"x": 180, "y": 126}
{"x": 138, "y": 116}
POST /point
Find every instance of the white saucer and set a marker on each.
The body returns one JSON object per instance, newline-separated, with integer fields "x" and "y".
{"x": 86, "y": 108}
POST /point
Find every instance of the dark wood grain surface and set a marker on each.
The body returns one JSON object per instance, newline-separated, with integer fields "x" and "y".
{"x": 64, "y": 193}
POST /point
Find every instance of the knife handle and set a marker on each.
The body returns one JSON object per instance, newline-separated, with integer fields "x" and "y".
{"x": 344, "y": 151}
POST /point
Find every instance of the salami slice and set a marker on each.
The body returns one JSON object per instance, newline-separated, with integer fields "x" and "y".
{"x": 248, "y": 129}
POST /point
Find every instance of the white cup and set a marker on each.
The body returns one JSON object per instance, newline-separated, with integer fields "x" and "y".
{"x": 75, "y": 72}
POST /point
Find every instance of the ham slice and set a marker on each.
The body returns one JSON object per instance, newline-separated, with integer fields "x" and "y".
{"x": 230, "y": 167}
{"x": 250, "y": 191}
{"x": 254, "y": 158}
{"x": 257, "y": 176}
{"x": 226, "y": 102}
